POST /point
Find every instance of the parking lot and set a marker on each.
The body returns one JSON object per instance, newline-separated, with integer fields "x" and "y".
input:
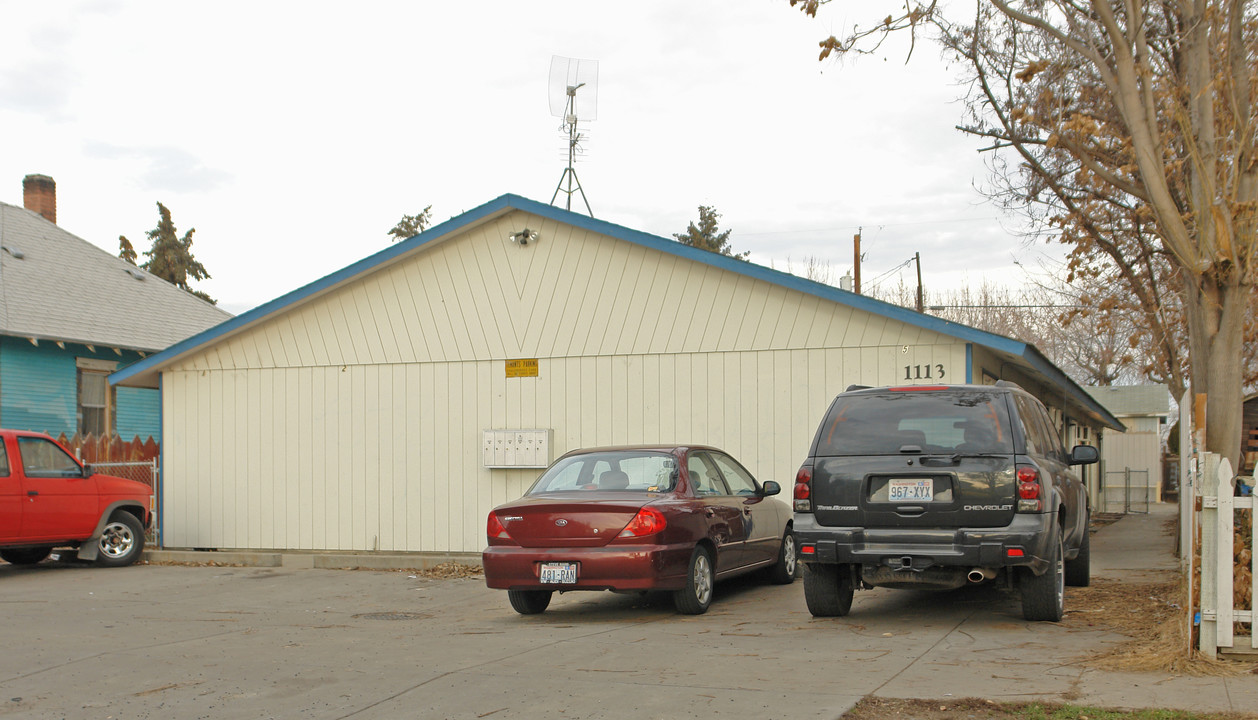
{"x": 167, "y": 641}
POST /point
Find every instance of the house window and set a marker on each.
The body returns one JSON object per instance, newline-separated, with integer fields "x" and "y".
{"x": 96, "y": 398}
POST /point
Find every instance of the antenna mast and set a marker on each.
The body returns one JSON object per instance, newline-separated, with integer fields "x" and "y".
{"x": 567, "y": 76}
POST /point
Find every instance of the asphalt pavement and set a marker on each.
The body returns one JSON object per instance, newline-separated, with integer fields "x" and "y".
{"x": 295, "y": 640}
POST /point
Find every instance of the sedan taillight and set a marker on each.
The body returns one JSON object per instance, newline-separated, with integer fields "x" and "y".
{"x": 495, "y": 530}
{"x": 648, "y": 521}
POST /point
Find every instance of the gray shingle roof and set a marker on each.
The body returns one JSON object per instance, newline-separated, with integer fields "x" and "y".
{"x": 56, "y": 286}
{"x": 1134, "y": 400}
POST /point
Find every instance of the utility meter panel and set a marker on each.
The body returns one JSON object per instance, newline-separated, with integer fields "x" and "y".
{"x": 516, "y": 448}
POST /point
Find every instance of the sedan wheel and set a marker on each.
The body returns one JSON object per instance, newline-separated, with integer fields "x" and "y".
{"x": 695, "y": 598}
{"x": 122, "y": 541}
{"x": 529, "y": 602}
{"x": 783, "y": 573}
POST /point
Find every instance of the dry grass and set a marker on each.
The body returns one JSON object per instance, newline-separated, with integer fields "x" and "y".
{"x": 1152, "y": 615}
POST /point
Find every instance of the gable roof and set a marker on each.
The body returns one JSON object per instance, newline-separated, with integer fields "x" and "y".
{"x": 59, "y": 287}
{"x": 1134, "y": 400}
{"x": 144, "y": 373}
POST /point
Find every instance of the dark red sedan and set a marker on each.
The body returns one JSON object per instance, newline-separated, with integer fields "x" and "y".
{"x": 636, "y": 519}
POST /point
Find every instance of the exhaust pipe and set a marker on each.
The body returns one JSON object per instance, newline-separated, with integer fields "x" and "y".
{"x": 978, "y": 575}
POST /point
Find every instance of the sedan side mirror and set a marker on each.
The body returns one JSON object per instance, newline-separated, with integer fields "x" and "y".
{"x": 87, "y": 470}
{"x": 770, "y": 488}
{"x": 1084, "y": 455}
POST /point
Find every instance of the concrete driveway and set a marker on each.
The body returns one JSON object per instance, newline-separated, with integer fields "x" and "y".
{"x": 155, "y": 641}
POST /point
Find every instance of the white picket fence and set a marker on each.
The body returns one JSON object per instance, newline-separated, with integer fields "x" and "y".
{"x": 1214, "y": 484}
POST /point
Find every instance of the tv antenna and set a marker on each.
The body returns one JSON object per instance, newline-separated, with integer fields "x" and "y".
{"x": 567, "y": 77}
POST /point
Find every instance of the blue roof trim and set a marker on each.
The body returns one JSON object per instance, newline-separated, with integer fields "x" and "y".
{"x": 509, "y": 202}
{"x": 1045, "y": 367}
{"x": 327, "y": 282}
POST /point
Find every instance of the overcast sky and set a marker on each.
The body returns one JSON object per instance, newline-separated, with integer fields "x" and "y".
{"x": 293, "y": 135}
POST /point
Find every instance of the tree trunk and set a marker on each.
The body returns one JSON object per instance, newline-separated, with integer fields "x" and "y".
{"x": 1216, "y": 317}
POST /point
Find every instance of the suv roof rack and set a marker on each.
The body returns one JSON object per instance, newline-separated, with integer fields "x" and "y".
{"x": 850, "y": 388}
{"x": 1008, "y": 383}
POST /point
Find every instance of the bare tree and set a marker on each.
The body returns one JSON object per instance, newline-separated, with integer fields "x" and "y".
{"x": 1128, "y": 129}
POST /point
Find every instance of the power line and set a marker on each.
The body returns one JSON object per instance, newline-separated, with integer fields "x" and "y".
{"x": 878, "y": 225}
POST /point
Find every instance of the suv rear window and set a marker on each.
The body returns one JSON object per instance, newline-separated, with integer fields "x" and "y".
{"x": 937, "y": 422}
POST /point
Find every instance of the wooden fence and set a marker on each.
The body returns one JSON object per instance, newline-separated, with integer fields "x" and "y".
{"x": 1228, "y": 580}
{"x": 111, "y": 449}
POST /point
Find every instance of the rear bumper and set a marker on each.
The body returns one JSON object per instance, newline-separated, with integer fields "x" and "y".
{"x": 922, "y": 548}
{"x": 621, "y": 567}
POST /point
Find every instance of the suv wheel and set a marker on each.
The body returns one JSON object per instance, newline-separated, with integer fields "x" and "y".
{"x": 828, "y": 589}
{"x": 122, "y": 541}
{"x": 783, "y": 572}
{"x": 695, "y": 598}
{"x": 1043, "y": 595}
{"x": 25, "y": 556}
{"x": 1079, "y": 570}
{"x": 529, "y": 602}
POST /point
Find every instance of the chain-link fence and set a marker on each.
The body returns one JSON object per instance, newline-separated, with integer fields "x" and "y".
{"x": 1126, "y": 491}
{"x": 145, "y": 472}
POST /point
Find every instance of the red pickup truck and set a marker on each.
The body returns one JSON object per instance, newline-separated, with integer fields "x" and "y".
{"x": 49, "y": 500}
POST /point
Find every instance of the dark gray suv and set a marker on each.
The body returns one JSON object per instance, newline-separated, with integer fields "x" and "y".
{"x": 933, "y": 487}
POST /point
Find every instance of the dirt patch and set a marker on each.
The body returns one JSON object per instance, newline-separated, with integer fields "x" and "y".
{"x": 976, "y": 708}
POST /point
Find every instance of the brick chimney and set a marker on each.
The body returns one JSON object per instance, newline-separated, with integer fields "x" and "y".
{"x": 39, "y": 193}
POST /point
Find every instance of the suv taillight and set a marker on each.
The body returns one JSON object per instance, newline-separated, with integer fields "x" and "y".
{"x": 803, "y": 488}
{"x": 1029, "y": 489}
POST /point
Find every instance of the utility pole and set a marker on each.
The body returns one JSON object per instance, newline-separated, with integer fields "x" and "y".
{"x": 918, "y": 257}
{"x": 856, "y": 263}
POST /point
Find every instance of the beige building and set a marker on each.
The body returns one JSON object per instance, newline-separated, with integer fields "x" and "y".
{"x": 390, "y": 405}
{"x": 1131, "y": 461}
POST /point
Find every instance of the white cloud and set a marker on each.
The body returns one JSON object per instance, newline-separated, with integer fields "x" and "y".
{"x": 293, "y": 135}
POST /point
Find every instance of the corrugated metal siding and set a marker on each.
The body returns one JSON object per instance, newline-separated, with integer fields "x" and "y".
{"x": 38, "y": 387}
{"x": 355, "y": 420}
{"x": 139, "y": 413}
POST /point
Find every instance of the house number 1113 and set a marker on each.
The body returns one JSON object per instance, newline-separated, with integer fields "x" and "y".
{"x": 923, "y": 372}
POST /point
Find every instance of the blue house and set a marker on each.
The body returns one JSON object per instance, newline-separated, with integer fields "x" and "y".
{"x": 70, "y": 314}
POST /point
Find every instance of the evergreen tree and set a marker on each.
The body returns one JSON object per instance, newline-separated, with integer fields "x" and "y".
{"x": 169, "y": 256}
{"x": 412, "y": 225}
{"x": 125, "y": 250}
{"x": 707, "y": 236}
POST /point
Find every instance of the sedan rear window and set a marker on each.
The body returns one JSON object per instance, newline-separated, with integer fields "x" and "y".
{"x": 933, "y": 422}
{"x": 633, "y": 471}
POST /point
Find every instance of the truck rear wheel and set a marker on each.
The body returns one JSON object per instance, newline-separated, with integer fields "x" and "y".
{"x": 828, "y": 589}
{"x": 25, "y": 556}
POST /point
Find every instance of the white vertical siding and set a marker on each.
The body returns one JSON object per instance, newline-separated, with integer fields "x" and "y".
{"x": 353, "y": 420}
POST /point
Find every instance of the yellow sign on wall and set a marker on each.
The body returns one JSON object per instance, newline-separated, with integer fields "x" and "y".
{"x": 522, "y": 368}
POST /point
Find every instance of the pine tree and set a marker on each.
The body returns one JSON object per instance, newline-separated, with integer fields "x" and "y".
{"x": 412, "y": 225}
{"x": 707, "y": 236}
{"x": 169, "y": 256}
{"x": 125, "y": 250}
